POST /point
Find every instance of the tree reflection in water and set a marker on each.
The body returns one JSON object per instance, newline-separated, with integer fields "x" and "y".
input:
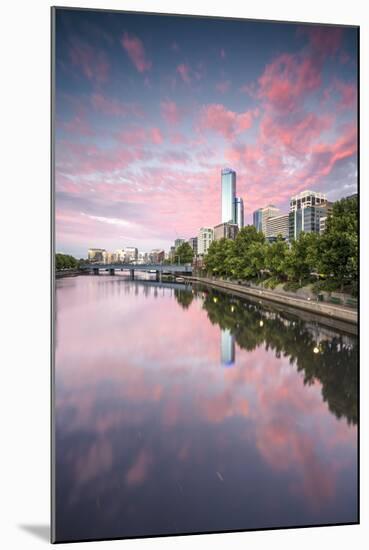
{"x": 320, "y": 353}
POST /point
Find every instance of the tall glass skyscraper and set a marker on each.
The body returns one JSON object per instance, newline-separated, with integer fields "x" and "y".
{"x": 228, "y": 195}
{"x": 239, "y": 212}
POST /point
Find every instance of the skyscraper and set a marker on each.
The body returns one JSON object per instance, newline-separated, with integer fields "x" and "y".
{"x": 228, "y": 195}
{"x": 257, "y": 217}
{"x": 239, "y": 212}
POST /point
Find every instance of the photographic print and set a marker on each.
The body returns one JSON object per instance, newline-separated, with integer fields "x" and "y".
{"x": 205, "y": 262}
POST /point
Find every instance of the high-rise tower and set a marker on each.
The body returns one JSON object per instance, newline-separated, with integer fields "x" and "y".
{"x": 228, "y": 195}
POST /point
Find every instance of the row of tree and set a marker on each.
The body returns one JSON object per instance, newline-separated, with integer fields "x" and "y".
{"x": 65, "y": 261}
{"x": 331, "y": 256}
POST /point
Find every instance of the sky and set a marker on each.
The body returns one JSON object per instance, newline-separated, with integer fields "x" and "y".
{"x": 149, "y": 109}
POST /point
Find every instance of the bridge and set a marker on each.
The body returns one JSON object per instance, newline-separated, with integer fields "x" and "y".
{"x": 158, "y": 269}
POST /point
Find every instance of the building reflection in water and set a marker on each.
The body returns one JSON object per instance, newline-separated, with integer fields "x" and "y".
{"x": 227, "y": 347}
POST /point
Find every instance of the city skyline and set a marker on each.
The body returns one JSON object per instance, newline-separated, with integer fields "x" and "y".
{"x": 145, "y": 122}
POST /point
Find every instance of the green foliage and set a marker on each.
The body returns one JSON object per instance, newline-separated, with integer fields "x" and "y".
{"x": 183, "y": 254}
{"x": 277, "y": 258}
{"x": 338, "y": 246}
{"x": 291, "y": 286}
{"x": 302, "y": 259}
{"x": 333, "y": 255}
{"x": 65, "y": 261}
{"x": 271, "y": 282}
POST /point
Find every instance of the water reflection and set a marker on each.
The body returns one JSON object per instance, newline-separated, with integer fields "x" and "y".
{"x": 153, "y": 437}
{"x": 227, "y": 346}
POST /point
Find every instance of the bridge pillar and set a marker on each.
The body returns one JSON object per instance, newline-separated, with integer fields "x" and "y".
{"x": 96, "y": 271}
{"x": 132, "y": 274}
{"x": 158, "y": 275}
{"x": 112, "y": 271}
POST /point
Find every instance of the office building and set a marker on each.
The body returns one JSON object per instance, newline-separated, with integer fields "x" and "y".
{"x": 278, "y": 225}
{"x": 96, "y": 254}
{"x": 204, "y": 239}
{"x": 257, "y": 217}
{"x": 306, "y": 209}
{"x": 239, "y": 212}
{"x": 269, "y": 211}
{"x": 193, "y": 244}
{"x": 130, "y": 254}
{"x": 228, "y": 195}
{"x": 225, "y": 231}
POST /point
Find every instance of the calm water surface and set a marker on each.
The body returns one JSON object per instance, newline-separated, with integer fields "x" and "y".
{"x": 182, "y": 410}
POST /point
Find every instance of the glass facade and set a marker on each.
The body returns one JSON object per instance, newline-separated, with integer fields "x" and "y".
{"x": 305, "y": 219}
{"x": 239, "y": 212}
{"x": 228, "y": 195}
{"x": 257, "y": 219}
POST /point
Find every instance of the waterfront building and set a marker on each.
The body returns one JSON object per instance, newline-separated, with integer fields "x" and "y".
{"x": 257, "y": 219}
{"x": 306, "y": 209}
{"x": 204, "y": 239}
{"x": 225, "y": 231}
{"x": 278, "y": 225}
{"x": 130, "y": 254}
{"x": 228, "y": 195}
{"x": 267, "y": 212}
{"x": 119, "y": 255}
{"x": 157, "y": 256}
{"x": 96, "y": 254}
{"x": 109, "y": 257}
{"x": 193, "y": 244}
{"x": 239, "y": 212}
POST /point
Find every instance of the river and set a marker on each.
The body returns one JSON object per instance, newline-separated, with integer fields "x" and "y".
{"x": 181, "y": 409}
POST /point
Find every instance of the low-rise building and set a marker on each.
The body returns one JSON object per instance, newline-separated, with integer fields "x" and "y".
{"x": 96, "y": 254}
{"x": 225, "y": 231}
{"x": 278, "y": 225}
{"x": 204, "y": 239}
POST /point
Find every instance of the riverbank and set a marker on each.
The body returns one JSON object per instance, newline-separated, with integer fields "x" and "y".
{"x": 331, "y": 311}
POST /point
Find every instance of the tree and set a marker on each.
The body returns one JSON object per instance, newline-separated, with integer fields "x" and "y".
{"x": 338, "y": 246}
{"x": 246, "y": 261}
{"x": 276, "y": 258}
{"x": 183, "y": 254}
{"x": 65, "y": 261}
{"x": 302, "y": 259}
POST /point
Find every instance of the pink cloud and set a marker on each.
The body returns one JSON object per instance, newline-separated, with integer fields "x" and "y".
{"x": 184, "y": 72}
{"x": 222, "y": 53}
{"x": 348, "y": 94}
{"x": 170, "y": 112}
{"x": 156, "y": 136}
{"x": 93, "y": 63}
{"x": 136, "y": 52}
{"x": 223, "y": 86}
{"x": 287, "y": 80}
{"x": 227, "y": 123}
